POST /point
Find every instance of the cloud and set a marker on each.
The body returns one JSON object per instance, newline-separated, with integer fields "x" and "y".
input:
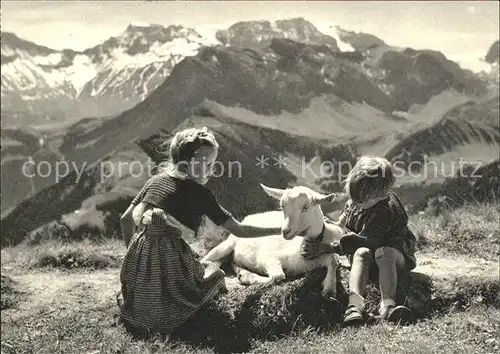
{"x": 67, "y": 34}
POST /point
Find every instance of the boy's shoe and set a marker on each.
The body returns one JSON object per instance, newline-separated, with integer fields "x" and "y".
{"x": 397, "y": 314}
{"x": 354, "y": 316}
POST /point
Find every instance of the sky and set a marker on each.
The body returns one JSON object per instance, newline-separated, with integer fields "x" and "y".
{"x": 462, "y": 30}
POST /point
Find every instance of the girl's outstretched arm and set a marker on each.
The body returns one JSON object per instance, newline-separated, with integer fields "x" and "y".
{"x": 248, "y": 231}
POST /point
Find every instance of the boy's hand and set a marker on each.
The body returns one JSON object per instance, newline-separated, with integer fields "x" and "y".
{"x": 310, "y": 249}
{"x": 313, "y": 249}
{"x": 351, "y": 241}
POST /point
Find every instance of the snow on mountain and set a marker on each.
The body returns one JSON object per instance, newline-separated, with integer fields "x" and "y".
{"x": 140, "y": 24}
{"x": 327, "y": 28}
{"x": 30, "y": 67}
{"x": 209, "y": 31}
{"x": 122, "y": 71}
{"x": 147, "y": 51}
{"x": 106, "y": 79}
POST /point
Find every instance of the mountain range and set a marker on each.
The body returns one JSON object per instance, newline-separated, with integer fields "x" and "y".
{"x": 43, "y": 85}
{"x": 265, "y": 88}
{"x": 115, "y": 75}
{"x": 103, "y": 80}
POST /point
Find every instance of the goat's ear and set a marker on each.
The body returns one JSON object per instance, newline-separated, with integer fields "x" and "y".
{"x": 273, "y": 192}
{"x": 323, "y": 199}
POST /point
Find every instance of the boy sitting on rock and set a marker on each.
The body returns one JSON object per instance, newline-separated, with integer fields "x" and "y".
{"x": 378, "y": 240}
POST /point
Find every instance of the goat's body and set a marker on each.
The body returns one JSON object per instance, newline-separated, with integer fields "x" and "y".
{"x": 272, "y": 258}
{"x": 251, "y": 254}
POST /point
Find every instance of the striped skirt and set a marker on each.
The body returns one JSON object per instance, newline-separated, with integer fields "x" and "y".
{"x": 162, "y": 282}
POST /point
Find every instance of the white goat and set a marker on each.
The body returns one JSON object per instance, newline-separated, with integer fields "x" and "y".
{"x": 271, "y": 259}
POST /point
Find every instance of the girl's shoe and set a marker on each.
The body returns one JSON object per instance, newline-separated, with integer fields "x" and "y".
{"x": 223, "y": 287}
{"x": 119, "y": 298}
{"x": 354, "y": 316}
{"x": 398, "y": 315}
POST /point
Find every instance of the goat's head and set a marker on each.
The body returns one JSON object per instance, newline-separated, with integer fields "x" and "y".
{"x": 302, "y": 210}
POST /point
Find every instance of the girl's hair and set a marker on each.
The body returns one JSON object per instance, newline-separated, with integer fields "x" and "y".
{"x": 369, "y": 178}
{"x": 182, "y": 148}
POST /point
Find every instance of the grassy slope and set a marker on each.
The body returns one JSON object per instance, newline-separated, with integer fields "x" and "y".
{"x": 68, "y": 301}
{"x": 326, "y": 117}
{"x": 373, "y": 133}
{"x": 336, "y": 121}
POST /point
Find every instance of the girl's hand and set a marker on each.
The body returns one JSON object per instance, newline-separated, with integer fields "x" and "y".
{"x": 160, "y": 217}
{"x": 248, "y": 231}
{"x": 147, "y": 217}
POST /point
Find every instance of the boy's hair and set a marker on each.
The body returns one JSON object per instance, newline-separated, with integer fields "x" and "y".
{"x": 369, "y": 178}
{"x": 182, "y": 148}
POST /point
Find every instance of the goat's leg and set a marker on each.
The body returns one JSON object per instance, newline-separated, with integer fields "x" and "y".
{"x": 272, "y": 268}
{"x": 236, "y": 268}
{"x": 246, "y": 277}
{"x": 274, "y": 271}
{"x": 329, "y": 284}
{"x": 221, "y": 251}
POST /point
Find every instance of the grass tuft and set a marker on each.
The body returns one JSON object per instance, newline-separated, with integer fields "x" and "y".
{"x": 471, "y": 229}
{"x": 77, "y": 255}
{"x": 460, "y": 294}
{"x": 9, "y": 293}
{"x": 457, "y": 309}
{"x": 72, "y": 259}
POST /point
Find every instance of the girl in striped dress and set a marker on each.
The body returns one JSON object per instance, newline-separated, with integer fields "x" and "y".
{"x": 162, "y": 282}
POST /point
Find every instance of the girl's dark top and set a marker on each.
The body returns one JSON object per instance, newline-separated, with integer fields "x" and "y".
{"x": 184, "y": 199}
{"x": 385, "y": 224}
